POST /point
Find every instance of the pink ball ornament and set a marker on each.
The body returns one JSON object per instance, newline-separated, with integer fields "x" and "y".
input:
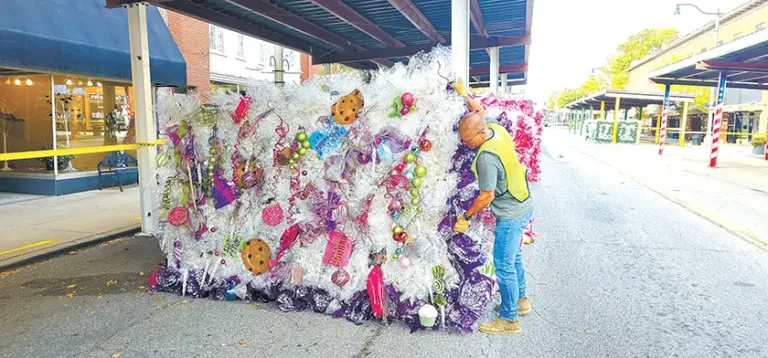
{"x": 273, "y": 214}
{"x": 405, "y": 262}
{"x": 405, "y": 110}
{"x": 178, "y": 216}
{"x": 407, "y": 99}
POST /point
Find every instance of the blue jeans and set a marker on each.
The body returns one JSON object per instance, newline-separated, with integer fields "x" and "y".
{"x": 509, "y": 264}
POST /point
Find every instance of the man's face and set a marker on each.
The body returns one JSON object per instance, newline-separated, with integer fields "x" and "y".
{"x": 471, "y": 130}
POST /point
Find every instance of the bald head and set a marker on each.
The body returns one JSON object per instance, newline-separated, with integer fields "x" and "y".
{"x": 472, "y": 130}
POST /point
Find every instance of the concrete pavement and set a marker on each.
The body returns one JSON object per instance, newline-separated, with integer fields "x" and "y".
{"x": 616, "y": 272}
{"x": 35, "y": 225}
{"x": 734, "y": 195}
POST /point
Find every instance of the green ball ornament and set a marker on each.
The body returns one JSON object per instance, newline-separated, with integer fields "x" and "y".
{"x": 302, "y": 151}
{"x": 212, "y": 151}
{"x": 415, "y": 193}
{"x": 301, "y": 137}
{"x": 213, "y": 159}
{"x": 420, "y": 171}
{"x": 416, "y": 182}
{"x": 418, "y": 215}
{"x": 397, "y": 229}
{"x": 395, "y": 256}
{"x": 210, "y": 167}
{"x": 420, "y": 209}
{"x": 295, "y": 156}
{"x": 291, "y": 161}
{"x": 414, "y": 201}
{"x": 305, "y": 144}
{"x": 210, "y": 174}
{"x": 409, "y": 158}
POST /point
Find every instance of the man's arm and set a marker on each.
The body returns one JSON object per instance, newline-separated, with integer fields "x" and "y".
{"x": 483, "y": 200}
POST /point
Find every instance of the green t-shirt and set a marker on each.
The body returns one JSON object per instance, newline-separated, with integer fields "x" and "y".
{"x": 492, "y": 176}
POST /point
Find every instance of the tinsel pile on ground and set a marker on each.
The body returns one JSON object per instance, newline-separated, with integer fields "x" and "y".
{"x": 337, "y": 195}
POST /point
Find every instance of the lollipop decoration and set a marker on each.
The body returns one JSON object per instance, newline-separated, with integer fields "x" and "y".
{"x": 273, "y": 214}
{"x": 403, "y": 105}
{"x": 178, "y": 216}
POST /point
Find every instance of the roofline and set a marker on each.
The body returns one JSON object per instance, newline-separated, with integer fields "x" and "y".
{"x": 744, "y": 42}
{"x": 741, "y": 10}
{"x": 678, "y": 97}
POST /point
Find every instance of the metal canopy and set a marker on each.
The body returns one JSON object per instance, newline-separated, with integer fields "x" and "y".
{"x": 368, "y": 33}
{"x": 629, "y": 99}
{"x": 745, "y": 60}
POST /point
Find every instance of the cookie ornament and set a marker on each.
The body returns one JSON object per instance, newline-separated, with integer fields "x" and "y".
{"x": 256, "y": 256}
{"x": 347, "y": 109}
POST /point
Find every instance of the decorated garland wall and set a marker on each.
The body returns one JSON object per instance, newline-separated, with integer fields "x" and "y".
{"x": 337, "y": 195}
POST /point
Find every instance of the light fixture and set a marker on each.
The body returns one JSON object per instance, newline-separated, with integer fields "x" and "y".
{"x": 79, "y": 82}
{"x": 29, "y": 82}
{"x": 17, "y": 82}
{"x": 68, "y": 82}
{"x": 677, "y": 10}
{"x": 98, "y": 83}
{"x": 90, "y": 84}
{"x": 8, "y": 81}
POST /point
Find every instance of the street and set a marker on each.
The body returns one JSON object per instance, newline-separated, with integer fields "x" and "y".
{"x": 616, "y": 271}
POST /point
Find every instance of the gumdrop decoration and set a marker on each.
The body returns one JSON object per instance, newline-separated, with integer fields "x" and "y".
{"x": 242, "y": 109}
{"x": 375, "y": 286}
{"x": 272, "y": 215}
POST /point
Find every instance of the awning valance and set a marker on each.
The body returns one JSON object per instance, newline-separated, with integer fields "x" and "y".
{"x": 83, "y": 37}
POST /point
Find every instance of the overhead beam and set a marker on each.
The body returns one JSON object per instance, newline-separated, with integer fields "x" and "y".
{"x": 477, "y": 18}
{"x": 682, "y": 82}
{"x": 748, "y": 77}
{"x": 275, "y": 13}
{"x": 502, "y": 69}
{"x": 226, "y": 21}
{"x": 488, "y": 84}
{"x": 347, "y": 14}
{"x": 111, "y": 4}
{"x": 732, "y": 66}
{"x": 476, "y": 44}
{"x": 408, "y": 9}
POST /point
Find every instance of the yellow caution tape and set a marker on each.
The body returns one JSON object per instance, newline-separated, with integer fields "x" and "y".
{"x": 75, "y": 151}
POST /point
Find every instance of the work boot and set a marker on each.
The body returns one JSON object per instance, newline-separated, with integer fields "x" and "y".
{"x": 523, "y": 306}
{"x": 500, "y": 326}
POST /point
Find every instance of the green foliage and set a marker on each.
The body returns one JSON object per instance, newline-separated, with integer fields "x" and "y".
{"x": 701, "y": 99}
{"x": 638, "y": 46}
{"x": 758, "y": 141}
{"x": 567, "y": 96}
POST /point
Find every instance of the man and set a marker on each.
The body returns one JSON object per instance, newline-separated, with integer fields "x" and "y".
{"x": 503, "y": 186}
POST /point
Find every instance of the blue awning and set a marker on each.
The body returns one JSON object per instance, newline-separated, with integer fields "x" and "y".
{"x": 85, "y": 38}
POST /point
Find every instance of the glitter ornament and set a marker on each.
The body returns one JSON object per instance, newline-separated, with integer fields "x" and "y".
{"x": 178, "y": 216}
{"x": 414, "y": 201}
{"x": 416, "y": 182}
{"x": 407, "y": 99}
{"x": 415, "y": 151}
{"x": 415, "y": 193}
{"x": 272, "y": 215}
{"x": 306, "y": 144}
{"x": 302, "y": 151}
{"x": 397, "y": 229}
{"x": 301, "y": 136}
{"x": 410, "y": 157}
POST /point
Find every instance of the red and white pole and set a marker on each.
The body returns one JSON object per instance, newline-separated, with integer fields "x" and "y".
{"x": 663, "y": 126}
{"x": 718, "y": 122}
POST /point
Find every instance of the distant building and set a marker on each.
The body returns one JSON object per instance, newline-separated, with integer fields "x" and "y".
{"x": 747, "y": 109}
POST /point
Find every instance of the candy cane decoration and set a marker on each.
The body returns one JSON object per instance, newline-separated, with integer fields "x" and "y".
{"x": 282, "y": 131}
{"x": 664, "y": 112}
{"x": 718, "y": 123}
{"x": 296, "y": 191}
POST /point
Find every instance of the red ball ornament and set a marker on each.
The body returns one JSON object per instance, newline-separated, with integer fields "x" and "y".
{"x": 407, "y": 99}
{"x": 177, "y": 216}
{"x": 340, "y": 278}
{"x": 401, "y": 237}
{"x": 425, "y": 145}
{"x": 400, "y": 167}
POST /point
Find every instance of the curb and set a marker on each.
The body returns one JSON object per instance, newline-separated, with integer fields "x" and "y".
{"x": 65, "y": 247}
{"x": 736, "y": 230}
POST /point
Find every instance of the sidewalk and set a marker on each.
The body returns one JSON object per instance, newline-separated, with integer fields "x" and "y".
{"x": 36, "y": 226}
{"x": 734, "y": 195}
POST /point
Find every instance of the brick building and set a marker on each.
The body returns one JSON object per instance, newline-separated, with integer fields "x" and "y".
{"x": 191, "y": 35}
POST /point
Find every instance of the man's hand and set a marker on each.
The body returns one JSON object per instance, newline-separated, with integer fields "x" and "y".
{"x": 462, "y": 224}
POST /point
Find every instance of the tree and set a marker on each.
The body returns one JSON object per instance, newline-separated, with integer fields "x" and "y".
{"x": 567, "y": 96}
{"x": 638, "y": 46}
{"x": 701, "y": 94}
{"x": 552, "y": 99}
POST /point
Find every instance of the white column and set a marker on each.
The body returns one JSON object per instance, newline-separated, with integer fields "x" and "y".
{"x": 460, "y": 39}
{"x": 504, "y": 87}
{"x": 494, "y": 54}
{"x": 145, "y": 126}
{"x": 279, "y": 65}
{"x": 53, "y": 127}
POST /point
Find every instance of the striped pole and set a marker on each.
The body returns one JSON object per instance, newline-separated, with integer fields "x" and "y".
{"x": 664, "y": 113}
{"x": 718, "y": 122}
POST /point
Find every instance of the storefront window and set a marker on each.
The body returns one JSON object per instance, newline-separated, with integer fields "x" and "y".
{"x": 90, "y": 113}
{"x": 25, "y": 118}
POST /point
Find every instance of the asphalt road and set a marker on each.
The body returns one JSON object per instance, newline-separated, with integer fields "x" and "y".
{"x": 617, "y": 271}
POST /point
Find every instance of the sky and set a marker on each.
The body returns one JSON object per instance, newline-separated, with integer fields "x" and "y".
{"x": 570, "y": 37}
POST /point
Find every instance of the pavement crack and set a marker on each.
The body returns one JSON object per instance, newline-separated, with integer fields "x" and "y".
{"x": 365, "y": 349}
